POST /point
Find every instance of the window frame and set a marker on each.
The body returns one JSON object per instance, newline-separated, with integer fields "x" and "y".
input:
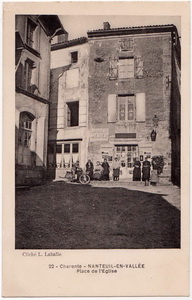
{"x": 127, "y": 97}
{"x": 30, "y": 32}
{"x": 126, "y": 60}
{"x": 29, "y": 66}
{"x": 69, "y": 153}
{"x": 25, "y": 129}
{"x": 69, "y": 113}
{"x": 73, "y": 60}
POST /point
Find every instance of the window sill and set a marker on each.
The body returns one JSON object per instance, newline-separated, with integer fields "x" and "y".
{"x": 32, "y": 50}
{"x": 22, "y": 91}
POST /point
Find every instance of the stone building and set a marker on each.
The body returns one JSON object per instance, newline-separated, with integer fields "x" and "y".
{"x": 32, "y": 82}
{"x": 119, "y": 98}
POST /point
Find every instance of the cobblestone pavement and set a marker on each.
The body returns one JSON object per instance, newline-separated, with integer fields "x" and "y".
{"x": 101, "y": 215}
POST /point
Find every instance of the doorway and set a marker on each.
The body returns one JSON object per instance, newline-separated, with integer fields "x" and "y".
{"x": 127, "y": 155}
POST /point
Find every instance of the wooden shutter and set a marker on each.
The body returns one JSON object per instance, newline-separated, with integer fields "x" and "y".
{"x": 68, "y": 116}
{"x": 139, "y": 67}
{"x": 113, "y": 68}
{"x": 112, "y": 108}
{"x": 140, "y": 107}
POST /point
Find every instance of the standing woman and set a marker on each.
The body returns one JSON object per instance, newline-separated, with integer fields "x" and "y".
{"x": 116, "y": 169}
{"x": 137, "y": 170}
{"x": 89, "y": 168}
{"x": 105, "y": 167}
{"x": 146, "y": 171}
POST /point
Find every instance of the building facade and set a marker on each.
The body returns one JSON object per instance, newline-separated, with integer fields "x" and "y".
{"x": 128, "y": 84}
{"x": 32, "y": 82}
{"x": 68, "y": 123}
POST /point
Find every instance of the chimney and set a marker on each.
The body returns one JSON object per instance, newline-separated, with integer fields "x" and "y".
{"x": 106, "y": 26}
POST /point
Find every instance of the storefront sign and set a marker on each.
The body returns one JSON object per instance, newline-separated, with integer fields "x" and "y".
{"x": 99, "y": 134}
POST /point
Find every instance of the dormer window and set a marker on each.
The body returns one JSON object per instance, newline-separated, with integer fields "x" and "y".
{"x": 74, "y": 57}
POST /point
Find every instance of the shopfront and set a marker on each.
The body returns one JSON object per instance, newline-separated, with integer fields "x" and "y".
{"x": 62, "y": 155}
{"x": 126, "y": 155}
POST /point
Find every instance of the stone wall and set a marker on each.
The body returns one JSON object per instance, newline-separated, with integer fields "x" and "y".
{"x": 155, "y": 51}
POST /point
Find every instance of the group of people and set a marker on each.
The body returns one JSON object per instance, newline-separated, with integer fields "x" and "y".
{"x": 147, "y": 174}
{"x": 102, "y": 170}
{"x": 140, "y": 172}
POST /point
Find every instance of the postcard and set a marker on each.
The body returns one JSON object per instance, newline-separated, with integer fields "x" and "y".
{"x": 96, "y": 149}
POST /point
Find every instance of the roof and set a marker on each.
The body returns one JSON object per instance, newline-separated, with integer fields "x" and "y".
{"x": 132, "y": 30}
{"x": 74, "y": 42}
{"x": 52, "y": 24}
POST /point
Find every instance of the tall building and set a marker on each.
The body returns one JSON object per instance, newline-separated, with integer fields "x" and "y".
{"x": 32, "y": 82}
{"x": 117, "y": 94}
{"x": 68, "y": 123}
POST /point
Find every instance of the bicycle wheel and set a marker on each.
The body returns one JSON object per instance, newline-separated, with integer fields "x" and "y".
{"x": 84, "y": 179}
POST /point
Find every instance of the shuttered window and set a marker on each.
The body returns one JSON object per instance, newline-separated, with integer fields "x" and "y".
{"x": 126, "y": 68}
{"x": 126, "y": 108}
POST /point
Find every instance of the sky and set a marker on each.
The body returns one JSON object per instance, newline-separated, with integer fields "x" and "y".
{"x": 77, "y": 26}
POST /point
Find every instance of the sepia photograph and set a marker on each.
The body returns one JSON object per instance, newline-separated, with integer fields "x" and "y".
{"x": 98, "y": 109}
{"x": 96, "y": 149}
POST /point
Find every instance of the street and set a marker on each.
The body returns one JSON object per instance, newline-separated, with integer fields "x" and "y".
{"x": 102, "y": 215}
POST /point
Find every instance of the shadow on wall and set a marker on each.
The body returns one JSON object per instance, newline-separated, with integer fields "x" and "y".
{"x": 86, "y": 217}
{"x": 29, "y": 168}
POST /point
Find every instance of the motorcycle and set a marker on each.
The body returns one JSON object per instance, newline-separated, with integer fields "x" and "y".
{"x": 78, "y": 175}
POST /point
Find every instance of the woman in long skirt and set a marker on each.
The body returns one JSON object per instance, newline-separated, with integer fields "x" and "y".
{"x": 137, "y": 170}
{"x": 146, "y": 171}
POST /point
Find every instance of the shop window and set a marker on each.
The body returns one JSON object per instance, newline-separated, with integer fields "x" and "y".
{"x": 74, "y": 57}
{"x": 67, "y": 154}
{"x": 126, "y": 108}
{"x": 25, "y": 129}
{"x": 73, "y": 113}
{"x": 66, "y": 148}
{"x": 31, "y": 26}
{"x": 58, "y": 148}
{"x": 75, "y": 148}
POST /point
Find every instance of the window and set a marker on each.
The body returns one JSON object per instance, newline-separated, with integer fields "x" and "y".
{"x": 28, "y": 75}
{"x": 25, "y": 129}
{"x": 74, "y": 57}
{"x": 126, "y": 67}
{"x": 126, "y": 108}
{"x": 31, "y": 26}
{"x": 73, "y": 113}
{"x": 67, "y": 154}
